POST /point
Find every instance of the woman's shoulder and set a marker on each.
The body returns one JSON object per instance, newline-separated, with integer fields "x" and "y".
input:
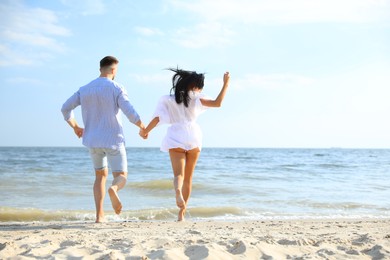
{"x": 167, "y": 98}
{"x": 166, "y": 101}
{"x": 198, "y": 96}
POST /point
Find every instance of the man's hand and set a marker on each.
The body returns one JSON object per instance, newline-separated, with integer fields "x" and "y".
{"x": 78, "y": 131}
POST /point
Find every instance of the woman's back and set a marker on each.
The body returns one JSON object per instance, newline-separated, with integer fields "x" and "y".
{"x": 179, "y": 113}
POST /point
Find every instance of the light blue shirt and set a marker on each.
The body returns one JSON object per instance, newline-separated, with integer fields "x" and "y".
{"x": 100, "y": 102}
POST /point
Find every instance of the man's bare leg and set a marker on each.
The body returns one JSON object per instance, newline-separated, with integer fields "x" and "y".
{"x": 99, "y": 191}
{"x": 117, "y": 184}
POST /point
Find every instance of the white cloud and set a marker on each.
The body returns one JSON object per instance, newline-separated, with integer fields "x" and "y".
{"x": 203, "y": 35}
{"x": 34, "y": 39}
{"x": 148, "y": 32}
{"x": 272, "y": 81}
{"x": 24, "y": 81}
{"x": 198, "y": 36}
{"x": 20, "y": 18}
{"x": 9, "y": 57}
{"x": 151, "y": 78}
{"x": 153, "y": 62}
{"x": 28, "y": 33}
{"x": 86, "y": 7}
{"x": 219, "y": 21}
{"x": 287, "y": 11}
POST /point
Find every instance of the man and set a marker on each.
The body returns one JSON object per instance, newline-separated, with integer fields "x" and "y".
{"x": 100, "y": 101}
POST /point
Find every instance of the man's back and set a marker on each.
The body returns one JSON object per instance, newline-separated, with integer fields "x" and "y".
{"x": 100, "y": 111}
{"x": 100, "y": 102}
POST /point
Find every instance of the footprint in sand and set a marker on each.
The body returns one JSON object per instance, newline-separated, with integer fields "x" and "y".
{"x": 237, "y": 248}
{"x": 2, "y": 246}
{"x": 68, "y": 243}
{"x": 197, "y": 252}
{"x": 376, "y": 252}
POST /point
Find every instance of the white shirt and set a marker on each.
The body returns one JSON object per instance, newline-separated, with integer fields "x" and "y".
{"x": 100, "y": 102}
{"x": 184, "y": 132}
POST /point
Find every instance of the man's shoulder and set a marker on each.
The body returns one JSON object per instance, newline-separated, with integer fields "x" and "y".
{"x": 117, "y": 84}
{"x": 103, "y": 82}
{"x": 92, "y": 83}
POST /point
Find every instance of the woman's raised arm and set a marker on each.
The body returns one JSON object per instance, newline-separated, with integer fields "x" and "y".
{"x": 218, "y": 101}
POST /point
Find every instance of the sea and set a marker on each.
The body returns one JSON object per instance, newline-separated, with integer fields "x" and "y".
{"x": 229, "y": 184}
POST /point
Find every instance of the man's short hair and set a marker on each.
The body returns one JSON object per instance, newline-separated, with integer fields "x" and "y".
{"x": 108, "y": 61}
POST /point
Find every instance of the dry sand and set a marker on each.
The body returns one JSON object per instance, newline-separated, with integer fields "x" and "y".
{"x": 287, "y": 239}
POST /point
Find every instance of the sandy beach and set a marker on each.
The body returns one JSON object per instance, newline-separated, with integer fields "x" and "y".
{"x": 284, "y": 239}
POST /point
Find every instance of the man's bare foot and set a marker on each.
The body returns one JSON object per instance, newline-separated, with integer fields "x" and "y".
{"x": 116, "y": 203}
{"x": 179, "y": 199}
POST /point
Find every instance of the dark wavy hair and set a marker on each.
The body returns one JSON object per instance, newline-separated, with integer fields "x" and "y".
{"x": 184, "y": 81}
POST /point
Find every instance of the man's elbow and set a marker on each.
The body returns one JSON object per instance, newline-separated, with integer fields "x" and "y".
{"x": 65, "y": 114}
{"x": 64, "y": 110}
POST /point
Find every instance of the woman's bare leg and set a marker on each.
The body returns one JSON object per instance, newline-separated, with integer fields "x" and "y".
{"x": 191, "y": 160}
{"x": 183, "y": 165}
{"x": 99, "y": 191}
{"x": 178, "y": 161}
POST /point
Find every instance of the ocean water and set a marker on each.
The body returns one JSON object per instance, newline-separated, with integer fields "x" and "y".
{"x": 55, "y": 183}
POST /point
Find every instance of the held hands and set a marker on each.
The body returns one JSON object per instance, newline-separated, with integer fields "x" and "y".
{"x": 143, "y": 133}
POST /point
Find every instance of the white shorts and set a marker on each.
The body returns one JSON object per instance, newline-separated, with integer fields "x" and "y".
{"x": 117, "y": 158}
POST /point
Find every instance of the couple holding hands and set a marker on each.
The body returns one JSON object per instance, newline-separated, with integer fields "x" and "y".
{"x": 100, "y": 102}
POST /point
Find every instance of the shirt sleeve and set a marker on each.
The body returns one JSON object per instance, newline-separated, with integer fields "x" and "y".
{"x": 162, "y": 111}
{"x": 126, "y": 107}
{"x": 199, "y": 108}
{"x": 69, "y": 105}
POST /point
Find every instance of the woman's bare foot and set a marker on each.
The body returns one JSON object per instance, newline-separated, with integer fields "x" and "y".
{"x": 179, "y": 199}
{"x": 182, "y": 212}
{"x": 100, "y": 219}
{"x": 116, "y": 203}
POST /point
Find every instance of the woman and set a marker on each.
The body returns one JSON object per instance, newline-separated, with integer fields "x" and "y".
{"x": 183, "y": 140}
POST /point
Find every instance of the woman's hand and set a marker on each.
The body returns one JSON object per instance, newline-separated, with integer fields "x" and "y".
{"x": 226, "y": 78}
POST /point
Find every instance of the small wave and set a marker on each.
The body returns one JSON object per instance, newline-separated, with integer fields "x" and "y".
{"x": 25, "y": 215}
{"x": 171, "y": 213}
{"x": 167, "y": 184}
{"x": 240, "y": 157}
{"x": 295, "y": 165}
{"x": 333, "y": 166}
{"x": 165, "y": 214}
{"x": 152, "y": 185}
{"x": 30, "y": 214}
{"x": 213, "y": 212}
{"x": 336, "y": 206}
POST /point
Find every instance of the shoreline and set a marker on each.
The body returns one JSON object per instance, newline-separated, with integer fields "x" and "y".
{"x": 194, "y": 214}
{"x": 248, "y": 239}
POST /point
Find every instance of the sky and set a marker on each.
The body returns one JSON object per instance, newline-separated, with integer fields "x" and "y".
{"x": 304, "y": 73}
